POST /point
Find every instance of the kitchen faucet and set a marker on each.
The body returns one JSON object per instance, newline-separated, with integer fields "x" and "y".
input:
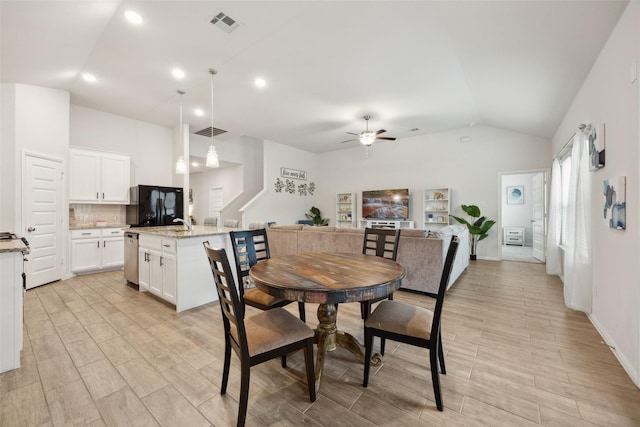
{"x": 187, "y": 223}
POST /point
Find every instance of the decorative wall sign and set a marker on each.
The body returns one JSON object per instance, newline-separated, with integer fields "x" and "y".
{"x": 615, "y": 202}
{"x": 293, "y": 173}
{"x": 515, "y": 195}
{"x": 596, "y": 147}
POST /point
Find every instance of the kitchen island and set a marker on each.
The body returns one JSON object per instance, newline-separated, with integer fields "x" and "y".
{"x": 12, "y": 252}
{"x": 173, "y": 265}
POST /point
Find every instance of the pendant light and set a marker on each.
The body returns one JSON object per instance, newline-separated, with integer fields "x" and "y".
{"x": 212, "y": 155}
{"x": 181, "y": 165}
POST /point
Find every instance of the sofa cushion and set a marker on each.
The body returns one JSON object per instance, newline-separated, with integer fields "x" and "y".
{"x": 287, "y": 227}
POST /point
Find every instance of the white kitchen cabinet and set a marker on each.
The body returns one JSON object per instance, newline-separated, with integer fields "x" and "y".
{"x": 144, "y": 270}
{"x": 97, "y": 249}
{"x": 158, "y": 275}
{"x": 97, "y": 177}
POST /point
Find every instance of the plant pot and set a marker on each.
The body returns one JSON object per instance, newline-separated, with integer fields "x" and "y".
{"x": 472, "y": 257}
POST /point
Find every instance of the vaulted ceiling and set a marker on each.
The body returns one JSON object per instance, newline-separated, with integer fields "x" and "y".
{"x": 425, "y": 65}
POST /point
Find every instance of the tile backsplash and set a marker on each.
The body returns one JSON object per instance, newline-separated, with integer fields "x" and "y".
{"x": 81, "y": 214}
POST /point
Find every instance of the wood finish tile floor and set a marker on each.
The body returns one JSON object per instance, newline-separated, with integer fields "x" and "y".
{"x": 97, "y": 352}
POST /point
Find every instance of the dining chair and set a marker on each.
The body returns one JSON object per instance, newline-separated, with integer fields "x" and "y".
{"x": 418, "y": 326}
{"x": 256, "y": 339}
{"x": 382, "y": 242}
{"x": 231, "y": 223}
{"x": 211, "y": 221}
{"x": 250, "y": 247}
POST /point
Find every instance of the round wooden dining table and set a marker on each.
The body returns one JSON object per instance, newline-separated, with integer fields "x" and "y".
{"x": 328, "y": 279}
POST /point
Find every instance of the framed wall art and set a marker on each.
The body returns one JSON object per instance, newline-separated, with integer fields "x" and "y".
{"x": 615, "y": 202}
{"x": 515, "y": 195}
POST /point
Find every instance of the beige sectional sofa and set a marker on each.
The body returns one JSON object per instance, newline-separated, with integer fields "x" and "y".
{"x": 423, "y": 257}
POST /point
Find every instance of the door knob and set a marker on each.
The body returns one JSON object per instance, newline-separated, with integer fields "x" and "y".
{"x": 30, "y": 229}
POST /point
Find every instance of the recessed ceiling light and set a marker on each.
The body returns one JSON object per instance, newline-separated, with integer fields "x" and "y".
{"x": 177, "y": 73}
{"x": 133, "y": 17}
{"x": 198, "y": 112}
{"x": 195, "y": 164}
{"x": 260, "y": 82}
{"x": 89, "y": 78}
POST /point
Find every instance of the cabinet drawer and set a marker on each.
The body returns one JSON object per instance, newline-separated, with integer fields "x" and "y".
{"x": 517, "y": 239}
{"x": 169, "y": 246}
{"x": 514, "y": 233}
{"x": 150, "y": 242}
{"x": 85, "y": 234}
{"x": 112, "y": 232}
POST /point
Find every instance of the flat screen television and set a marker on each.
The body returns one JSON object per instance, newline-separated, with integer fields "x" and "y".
{"x": 386, "y": 204}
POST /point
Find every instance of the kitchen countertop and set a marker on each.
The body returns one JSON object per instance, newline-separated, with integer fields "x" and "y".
{"x": 13, "y": 246}
{"x": 181, "y": 232}
{"x": 93, "y": 226}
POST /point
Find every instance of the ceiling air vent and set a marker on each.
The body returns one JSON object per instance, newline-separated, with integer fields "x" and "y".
{"x": 207, "y": 132}
{"x": 225, "y": 22}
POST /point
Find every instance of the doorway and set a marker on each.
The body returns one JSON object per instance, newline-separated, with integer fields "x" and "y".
{"x": 216, "y": 203}
{"x": 523, "y": 216}
{"x": 42, "y": 217}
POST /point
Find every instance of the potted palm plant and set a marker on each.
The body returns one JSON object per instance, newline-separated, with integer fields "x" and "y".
{"x": 478, "y": 227}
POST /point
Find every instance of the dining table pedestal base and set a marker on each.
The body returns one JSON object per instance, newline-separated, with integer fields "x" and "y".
{"x": 328, "y": 338}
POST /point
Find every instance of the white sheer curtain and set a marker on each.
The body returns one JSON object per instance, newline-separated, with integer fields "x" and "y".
{"x": 554, "y": 260}
{"x": 578, "y": 282}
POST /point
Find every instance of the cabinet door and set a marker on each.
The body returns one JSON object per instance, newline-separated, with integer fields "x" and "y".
{"x": 112, "y": 252}
{"x": 85, "y": 255}
{"x": 170, "y": 278}
{"x": 155, "y": 274}
{"x": 144, "y": 270}
{"x": 115, "y": 179}
{"x": 84, "y": 171}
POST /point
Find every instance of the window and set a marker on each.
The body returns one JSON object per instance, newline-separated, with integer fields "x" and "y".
{"x": 565, "y": 168}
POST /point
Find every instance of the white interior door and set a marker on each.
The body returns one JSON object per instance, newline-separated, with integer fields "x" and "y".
{"x": 42, "y": 218}
{"x": 215, "y": 203}
{"x": 538, "y": 222}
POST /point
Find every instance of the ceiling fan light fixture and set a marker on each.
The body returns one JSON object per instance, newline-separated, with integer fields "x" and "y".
{"x": 367, "y": 138}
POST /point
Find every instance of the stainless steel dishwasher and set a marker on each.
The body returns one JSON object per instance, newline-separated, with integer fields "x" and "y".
{"x": 131, "y": 257}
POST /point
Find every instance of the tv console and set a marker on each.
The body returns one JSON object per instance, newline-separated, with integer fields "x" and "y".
{"x": 385, "y": 223}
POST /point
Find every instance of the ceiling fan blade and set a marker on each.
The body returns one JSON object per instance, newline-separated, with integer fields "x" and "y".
{"x": 351, "y": 133}
{"x": 385, "y": 138}
{"x": 380, "y": 131}
{"x": 348, "y": 140}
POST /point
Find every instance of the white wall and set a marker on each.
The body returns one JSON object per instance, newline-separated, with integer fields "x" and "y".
{"x": 518, "y": 215}
{"x": 470, "y": 169}
{"x": 149, "y": 146}
{"x": 283, "y": 207}
{"x": 608, "y": 96}
{"x": 40, "y": 124}
{"x": 7, "y": 155}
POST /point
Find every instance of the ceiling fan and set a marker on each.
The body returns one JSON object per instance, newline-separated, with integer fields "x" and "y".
{"x": 367, "y": 137}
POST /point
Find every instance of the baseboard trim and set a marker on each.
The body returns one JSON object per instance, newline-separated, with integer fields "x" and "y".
{"x": 626, "y": 365}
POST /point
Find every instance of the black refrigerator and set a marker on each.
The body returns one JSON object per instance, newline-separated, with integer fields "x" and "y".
{"x": 152, "y": 205}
